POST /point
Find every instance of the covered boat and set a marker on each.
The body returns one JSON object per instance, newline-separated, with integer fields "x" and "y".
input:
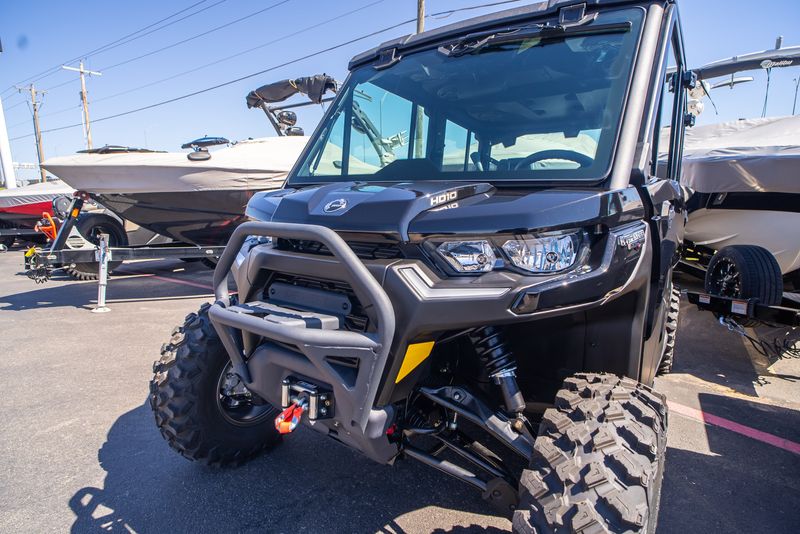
{"x": 745, "y": 175}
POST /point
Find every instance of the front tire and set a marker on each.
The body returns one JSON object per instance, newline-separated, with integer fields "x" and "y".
{"x": 199, "y": 413}
{"x": 598, "y": 461}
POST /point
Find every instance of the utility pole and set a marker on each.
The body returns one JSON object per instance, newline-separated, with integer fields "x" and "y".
{"x": 420, "y": 115}
{"x": 87, "y": 127}
{"x": 36, "y": 130}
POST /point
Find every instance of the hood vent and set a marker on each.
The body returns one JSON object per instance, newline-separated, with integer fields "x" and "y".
{"x": 364, "y": 250}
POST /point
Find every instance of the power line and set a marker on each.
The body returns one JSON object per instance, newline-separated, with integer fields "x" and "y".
{"x": 274, "y": 67}
{"x": 123, "y": 40}
{"x": 215, "y": 62}
{"x": 221, "y": 60}
{"x": 240, "y": 19}
{"x": 167, "y": 47}
{"x": 240, "y": 53}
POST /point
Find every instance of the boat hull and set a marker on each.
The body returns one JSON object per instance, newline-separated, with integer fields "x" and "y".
{"x": 776, "y": 231}
{"x": 26, "y": 215}
{"x": 205, "y": 218}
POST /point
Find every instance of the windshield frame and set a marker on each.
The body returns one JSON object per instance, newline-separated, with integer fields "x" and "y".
{"x": 327, "y": 124}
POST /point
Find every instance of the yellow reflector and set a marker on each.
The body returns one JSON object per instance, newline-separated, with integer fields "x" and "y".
{"x": 415, "y": 355}
{"x": 75, "y": 212}
{"x": 30, "y": 252}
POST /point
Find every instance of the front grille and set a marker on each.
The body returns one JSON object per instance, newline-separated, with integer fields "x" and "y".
{"x": 356, "y": 321}
{"x": 364, "y": 250}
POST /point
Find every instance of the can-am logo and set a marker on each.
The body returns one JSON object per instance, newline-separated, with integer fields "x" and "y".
{"x": 443, "y": 198}
{"x": 335, "y": 205}
{"x": 768, "y": 63}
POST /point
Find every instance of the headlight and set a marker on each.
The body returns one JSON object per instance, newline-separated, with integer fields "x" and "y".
{"x": 468, "y": 256}
{"x": 543, "y": 253}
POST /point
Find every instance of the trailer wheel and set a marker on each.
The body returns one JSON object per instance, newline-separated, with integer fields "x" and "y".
{"x": 8, "y": 240}
{"x": 671, "y": 332}
{"x": 745, "y": 271}
{"x": 90, "y": 227}
{"x": 598, "y": 461}
{"x": 200, "y": 407}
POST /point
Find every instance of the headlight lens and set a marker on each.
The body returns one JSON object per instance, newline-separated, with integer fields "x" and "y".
{"x": 544, "y": 253}
{"x": 468, "y": 256}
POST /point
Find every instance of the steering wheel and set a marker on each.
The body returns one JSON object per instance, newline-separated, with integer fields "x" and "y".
{"x": 570, "y": 155}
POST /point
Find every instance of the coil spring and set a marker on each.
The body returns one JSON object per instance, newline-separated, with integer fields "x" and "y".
{"x": 493, "y": 350}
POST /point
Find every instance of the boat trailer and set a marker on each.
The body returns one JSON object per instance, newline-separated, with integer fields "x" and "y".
{"x": 736, "y": 314}
{"x": 40, "y": 263}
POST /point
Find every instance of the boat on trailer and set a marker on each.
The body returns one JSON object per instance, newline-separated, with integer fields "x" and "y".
{"x": 197, "y": 200}
{"x": 745, "y": 176}
{"x": 199, "y": 197}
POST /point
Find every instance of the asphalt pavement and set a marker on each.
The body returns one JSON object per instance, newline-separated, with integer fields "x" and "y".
{"x": 80, "y": 450}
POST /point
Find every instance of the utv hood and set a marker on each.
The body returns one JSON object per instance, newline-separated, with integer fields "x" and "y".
{"x": 406, "y": 210}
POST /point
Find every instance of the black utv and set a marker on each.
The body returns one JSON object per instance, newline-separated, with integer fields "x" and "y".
{"x": 470, "y": 265}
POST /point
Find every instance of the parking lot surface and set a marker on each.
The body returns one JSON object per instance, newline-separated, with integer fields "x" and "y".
{"x": 81, "y": 453}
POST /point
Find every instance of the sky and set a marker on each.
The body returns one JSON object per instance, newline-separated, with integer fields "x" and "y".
{"x": 57, "y": 32}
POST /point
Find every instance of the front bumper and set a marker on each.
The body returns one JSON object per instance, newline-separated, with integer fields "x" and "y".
{"x": 422, "y": 303}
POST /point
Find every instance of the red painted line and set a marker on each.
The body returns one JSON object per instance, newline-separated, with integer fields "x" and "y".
{"x": 184, "y": 282}
{"x": 173, "y": 280}
{"x": 733, "y": 426}
{"x": 166, "y": 279}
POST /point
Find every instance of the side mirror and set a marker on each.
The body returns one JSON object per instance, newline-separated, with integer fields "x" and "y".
{"x": 287, "y": 118}
{"x": 295, "y": 130}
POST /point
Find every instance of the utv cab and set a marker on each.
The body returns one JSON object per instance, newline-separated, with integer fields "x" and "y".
{"x": 470, "y": 265}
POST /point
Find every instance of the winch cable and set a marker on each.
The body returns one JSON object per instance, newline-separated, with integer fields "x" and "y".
{"x": 269, "y": 69}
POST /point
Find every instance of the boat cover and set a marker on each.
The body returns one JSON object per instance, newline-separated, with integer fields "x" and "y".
{"x": 314, "y": 87}
{"x": 33, "y": 194}
{"x": 746, "y": 155}
{"x": 251, "y": 164}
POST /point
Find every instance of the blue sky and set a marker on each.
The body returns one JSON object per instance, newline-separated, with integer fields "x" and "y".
{"x": 58, "y": 31}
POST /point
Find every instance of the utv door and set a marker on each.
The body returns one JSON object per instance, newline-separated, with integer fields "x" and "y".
{"x": 662, "y": 190}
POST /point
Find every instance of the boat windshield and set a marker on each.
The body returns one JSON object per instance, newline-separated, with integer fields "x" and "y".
{"x": 533, "y": 103}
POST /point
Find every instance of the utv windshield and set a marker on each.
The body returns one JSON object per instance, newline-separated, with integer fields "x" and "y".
{"x": 528, "y": 104}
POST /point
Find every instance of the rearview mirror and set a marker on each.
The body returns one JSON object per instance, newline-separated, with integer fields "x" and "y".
{"x": 294, "y": 130}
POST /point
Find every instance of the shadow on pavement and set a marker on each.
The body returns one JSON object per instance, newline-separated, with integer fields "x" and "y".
{"x": 84, "y": 294}
{"x": 307, "y": 483}
{"x": 186, "y": 281}
{"x": 725, "y": 361}
{"x": 742, "y": 485}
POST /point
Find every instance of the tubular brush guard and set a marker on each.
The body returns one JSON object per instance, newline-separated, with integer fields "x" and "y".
{"x": 314, "y": 344}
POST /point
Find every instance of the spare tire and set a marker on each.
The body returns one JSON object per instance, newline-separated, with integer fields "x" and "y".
{"x": 745, "y": 272}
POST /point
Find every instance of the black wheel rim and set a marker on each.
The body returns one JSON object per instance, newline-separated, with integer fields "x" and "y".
{"x": 725, "y": 280}
{"x": 95, "y": 231}
{"x": 236, "y": 404}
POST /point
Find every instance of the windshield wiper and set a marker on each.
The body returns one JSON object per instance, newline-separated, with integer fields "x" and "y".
{"x": 474, "y": 42}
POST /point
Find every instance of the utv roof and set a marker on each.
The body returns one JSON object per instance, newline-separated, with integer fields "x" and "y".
{"x": 482, "y": 23}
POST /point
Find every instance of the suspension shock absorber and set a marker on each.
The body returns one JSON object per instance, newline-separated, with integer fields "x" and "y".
{"x": 496, "y": 357}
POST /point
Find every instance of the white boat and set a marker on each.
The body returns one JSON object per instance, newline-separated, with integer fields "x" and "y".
{"x": 196, "y": 197}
